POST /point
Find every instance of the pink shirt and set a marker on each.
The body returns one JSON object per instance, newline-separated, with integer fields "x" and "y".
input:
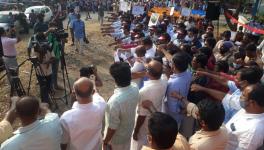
{"x": 9, "y": 46}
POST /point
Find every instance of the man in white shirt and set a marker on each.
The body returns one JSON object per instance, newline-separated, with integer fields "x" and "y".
{"x": 246, "y": 128}
{"x": 150, "y": 49}
{"x": 153, "y": 90}
{"x": 138, "y": 66}
{"x": 82, "y": 125}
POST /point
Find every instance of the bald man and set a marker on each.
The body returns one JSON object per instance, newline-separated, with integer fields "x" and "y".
{"x": 82, "y": 124}
{"x": 154, "y": 90}
{"x": 34, "y": 134}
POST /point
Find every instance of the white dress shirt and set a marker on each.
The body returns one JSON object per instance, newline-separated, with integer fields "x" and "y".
{"x": 245, "y": 131}
{"x": 153, "y": 90}
{"x": 82, "y": 125}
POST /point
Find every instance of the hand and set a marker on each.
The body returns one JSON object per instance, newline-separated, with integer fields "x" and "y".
{"x": 200, "y": 72}
{"x": 196, "y": 88}
{"x": 44, "y": 109}
{"x": 135, "y": 136}
{"x": 147, "y": 104}
{"x": 176, "y": 95}
{"x": 10, "y": 116}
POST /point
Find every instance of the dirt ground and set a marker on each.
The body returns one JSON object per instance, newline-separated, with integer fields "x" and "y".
{"x": 96, "y": 52}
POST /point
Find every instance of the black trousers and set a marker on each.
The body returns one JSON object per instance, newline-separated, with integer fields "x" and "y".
{"x": 45, "y": 87}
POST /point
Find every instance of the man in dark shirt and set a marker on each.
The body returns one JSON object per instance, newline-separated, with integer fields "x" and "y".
{"x": 40, "y": 26}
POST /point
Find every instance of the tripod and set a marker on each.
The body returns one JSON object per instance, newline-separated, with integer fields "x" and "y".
{"x": 16, "y": 86}
{"x": 39, "y": 72}
{"x": 14, "y": 80}
{"x": 65, "y": 75}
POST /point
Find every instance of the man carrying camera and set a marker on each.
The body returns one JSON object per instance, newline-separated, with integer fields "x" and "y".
{"x": 42, "y": 58}
{"x": 9, "y": 51}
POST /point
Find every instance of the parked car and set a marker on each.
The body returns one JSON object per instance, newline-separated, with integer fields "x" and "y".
{"x": 5, "y": 19}
{"x": 40, "y": 9}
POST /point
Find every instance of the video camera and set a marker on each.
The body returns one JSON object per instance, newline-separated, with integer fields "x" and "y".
{"x": 60, "y": 34}
{"x": 41, "y": 47}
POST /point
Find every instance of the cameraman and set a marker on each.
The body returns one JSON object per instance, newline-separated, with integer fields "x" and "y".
{"x": 9, "y": 51}
{"x": 42, "y": 58}
{"x": 57, "y": 46}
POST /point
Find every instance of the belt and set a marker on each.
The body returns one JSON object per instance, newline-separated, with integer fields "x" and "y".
{"x": 9, "y": 56}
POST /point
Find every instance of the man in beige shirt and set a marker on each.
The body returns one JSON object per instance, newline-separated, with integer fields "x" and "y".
{"x": 210, "y": 115}
{"x": 163, "y": 133}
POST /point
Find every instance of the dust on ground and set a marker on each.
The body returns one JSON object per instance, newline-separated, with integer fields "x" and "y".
{"x": 96, "y": 52}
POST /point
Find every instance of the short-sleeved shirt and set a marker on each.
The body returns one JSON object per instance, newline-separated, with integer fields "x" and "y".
{"x": 78, "y": 28}
{"x": 231, "y": 101}
{"x": 79, "y": 135}
{"x": 72, "y": 17}
{"x": 40, "y": 27}
{"x": 178, "y": 83}
{"x": 9, "y": 46}
{"x": 120, "y": 113}
{"x": 42, "y": 134}
{"x": 245, "y": 131}
{"x": 215, "y": 140}
{"x": 153, "y": 90}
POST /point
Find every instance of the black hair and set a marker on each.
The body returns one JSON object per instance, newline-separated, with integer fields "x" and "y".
{"x": 227, "y": 34}
{"x": 201, "y": 59}
{"x": 147, "y": 41}
{"x": 212, "y": 113}
{"x": 28, "y": 106}
{"x": 181, "y": 61}
{"x": 121, "y": 72}
{"x": 257, "y": 94}
{"x": 222, "y": 66}
{"x": 252, "y": 74}
{"x": 163, "y": 129}
{"x": 211, "y": 42}
{"x": 238, "y": 55}
{"x": 207, "y": 51}
{"x": 251, "y": 47}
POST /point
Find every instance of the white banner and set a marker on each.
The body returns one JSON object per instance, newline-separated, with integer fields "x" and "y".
{"x": 138, "y": 10}
{"x": 186, "y": 11}
{"x": 153, "y": 19}
{"x": 123, "y": 6}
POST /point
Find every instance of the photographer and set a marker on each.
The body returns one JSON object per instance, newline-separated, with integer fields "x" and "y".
{"x": 42, "y": 58}
{"x": 9, "y": 51}
{"x": 91, "y": 70}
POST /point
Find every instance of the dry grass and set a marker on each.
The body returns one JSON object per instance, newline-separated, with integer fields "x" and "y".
{"x": 96, "y": 52}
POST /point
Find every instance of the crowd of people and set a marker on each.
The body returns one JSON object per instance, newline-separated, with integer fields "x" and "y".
{"x": 177, "y": 87}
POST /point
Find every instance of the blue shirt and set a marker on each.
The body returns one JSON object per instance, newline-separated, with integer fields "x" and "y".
{"x": 72, "y": 17}
{"x": 78, "y": 28}
{"x": 231, "y": 101}
{"x": 178, "y": 83}
{"x": 42, "y": 134}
